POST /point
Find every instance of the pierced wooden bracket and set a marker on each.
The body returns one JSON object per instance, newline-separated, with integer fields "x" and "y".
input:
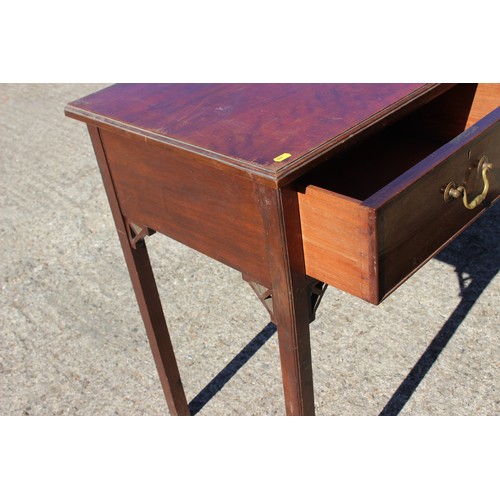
{"x": 137, "y": 233}
{"x": 265, "y": 296}
{"x": 316, "y": 289}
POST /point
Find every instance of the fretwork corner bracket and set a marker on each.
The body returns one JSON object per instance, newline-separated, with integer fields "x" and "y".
{"x": 137, "y": 233}
{"x": 316, "y": 289}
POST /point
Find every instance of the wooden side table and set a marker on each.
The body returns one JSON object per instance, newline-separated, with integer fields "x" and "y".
{"x": 297, "y": 186}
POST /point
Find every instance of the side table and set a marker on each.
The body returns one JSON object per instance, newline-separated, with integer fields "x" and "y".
{"x": 297, "y": 186}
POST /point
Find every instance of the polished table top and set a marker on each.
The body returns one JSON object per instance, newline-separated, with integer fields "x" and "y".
{"x": 268, "y": 129}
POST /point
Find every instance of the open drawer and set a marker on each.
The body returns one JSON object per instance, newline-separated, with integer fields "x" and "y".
{"x": 374, "y": 214}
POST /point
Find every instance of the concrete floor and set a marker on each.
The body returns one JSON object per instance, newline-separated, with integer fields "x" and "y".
{"x": 72, "y": 341}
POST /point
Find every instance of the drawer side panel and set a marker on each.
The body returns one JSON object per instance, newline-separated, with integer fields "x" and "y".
{"x": 338, "y": 237}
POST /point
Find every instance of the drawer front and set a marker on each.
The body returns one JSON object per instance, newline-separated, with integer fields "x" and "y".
{"x": 417, "y": 223}
{"x": 369, "y": 247}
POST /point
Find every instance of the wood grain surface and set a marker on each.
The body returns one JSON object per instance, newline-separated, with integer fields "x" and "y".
{"x": 249, "y": 125}
{"x": 366, "y": 232}
{"x": 181, "y": 196}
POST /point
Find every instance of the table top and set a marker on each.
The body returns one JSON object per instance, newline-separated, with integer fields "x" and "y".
{"x": 270, "y": 129}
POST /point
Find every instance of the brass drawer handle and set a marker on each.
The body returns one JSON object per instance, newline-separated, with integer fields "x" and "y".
{"x": 452, "y": 191}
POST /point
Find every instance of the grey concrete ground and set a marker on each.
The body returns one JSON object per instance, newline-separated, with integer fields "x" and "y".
{"x": 72, "y": 341}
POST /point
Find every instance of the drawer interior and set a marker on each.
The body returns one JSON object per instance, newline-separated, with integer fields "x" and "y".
{"x": 361, "y": 171}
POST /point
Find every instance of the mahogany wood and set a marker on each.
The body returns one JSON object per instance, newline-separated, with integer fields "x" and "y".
{"x": 452, "y": 112}
{"x": 369, "y": 246}
{"x": 358, "y": 204}
{"x": 486, "y": 100}
{"x": 416, "y": 223}
{"x": 241, "y": 128}
{"x": 338, "y": 237}
{"x": 143, "y": 281}
{"x": 443, "y": 118}
{"x": 186, "y": 200}
{"x": 290, "y": 296}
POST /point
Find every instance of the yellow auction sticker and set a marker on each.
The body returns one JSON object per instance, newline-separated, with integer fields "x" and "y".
{"x": 282, "y": 157}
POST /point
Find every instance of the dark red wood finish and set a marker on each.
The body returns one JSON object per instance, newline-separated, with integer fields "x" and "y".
{"x": 248, "y": 125}
{"x": 413, "y": 223}
{"x": 374, "y": 215}
{"x": 285, "y": 256}
{"x": 188, "y": 200}
{"x": 144, "y": 284}
{"x": 197, "y": 163}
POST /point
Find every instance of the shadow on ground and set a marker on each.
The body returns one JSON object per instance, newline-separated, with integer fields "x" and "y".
{"x": 475, "y": 254}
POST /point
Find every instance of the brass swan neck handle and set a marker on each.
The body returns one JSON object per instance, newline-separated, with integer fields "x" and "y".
{"x": 453, "y": 192}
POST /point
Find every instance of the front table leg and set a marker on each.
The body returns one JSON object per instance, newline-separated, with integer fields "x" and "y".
{"x": 290, "y": 296}
{"x": 148, "y": 299}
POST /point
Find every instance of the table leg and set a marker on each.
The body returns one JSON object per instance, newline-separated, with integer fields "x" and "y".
{"x": 148, "y": 299}
{"x": 290, "y": 296}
